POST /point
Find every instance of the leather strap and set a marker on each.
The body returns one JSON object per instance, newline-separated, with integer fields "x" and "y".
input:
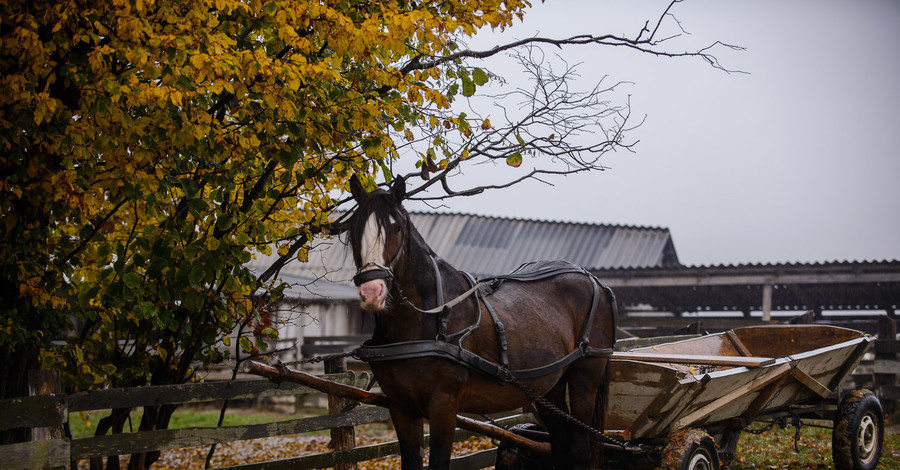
{"x": 428, "y": 348}
{"x": 380, "y": 272}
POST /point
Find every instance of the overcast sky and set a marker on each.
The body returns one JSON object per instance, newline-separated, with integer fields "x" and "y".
{"x": 795, "y": 161}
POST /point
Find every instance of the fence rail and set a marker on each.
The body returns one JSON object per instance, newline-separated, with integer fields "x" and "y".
{"x": 52, "y": 411}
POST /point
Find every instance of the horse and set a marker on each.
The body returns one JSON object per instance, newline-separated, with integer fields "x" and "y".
{"x": 544, "y": 333}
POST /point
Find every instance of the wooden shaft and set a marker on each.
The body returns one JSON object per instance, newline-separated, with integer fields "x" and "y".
{"x": 370, "y": 398}
{"x": 317, "y": 383}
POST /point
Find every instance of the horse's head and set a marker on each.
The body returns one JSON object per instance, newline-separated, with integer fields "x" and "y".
{"x": 377, "y": 235}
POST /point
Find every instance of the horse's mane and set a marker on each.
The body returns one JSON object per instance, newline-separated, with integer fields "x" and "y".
{"x": 382, "y": 204}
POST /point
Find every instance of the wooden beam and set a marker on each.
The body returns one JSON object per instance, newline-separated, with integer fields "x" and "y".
{"x": 36, "y": 454}
{"x": 195, "y": 392}
{"x": 810, "y": 382}
{"x": 695, "y": 359}
{"x": 688, "y": 279}
{"x": 318, "y": 383}
{"x": 738, "y": 344}
{"x": 37, "y": 411}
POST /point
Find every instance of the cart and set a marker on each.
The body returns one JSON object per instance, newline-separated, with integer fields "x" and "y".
{"x": 682, "y": 405}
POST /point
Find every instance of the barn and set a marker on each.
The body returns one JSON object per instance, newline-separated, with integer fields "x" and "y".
{"x": 656, "y": 293}
{"x": 322, "y": 300}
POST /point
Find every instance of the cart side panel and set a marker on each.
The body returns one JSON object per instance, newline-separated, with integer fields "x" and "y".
{"x": 636, "y": 388}
{"x": 786, "y": 340}
{"x": 822, "y": 367}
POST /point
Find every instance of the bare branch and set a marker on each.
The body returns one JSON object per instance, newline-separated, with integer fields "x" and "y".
{"x": 648, "y": 44}
{"x": 559, "y": 130}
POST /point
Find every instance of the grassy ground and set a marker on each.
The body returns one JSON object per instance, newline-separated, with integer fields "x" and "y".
{"x": 774, "y": 449}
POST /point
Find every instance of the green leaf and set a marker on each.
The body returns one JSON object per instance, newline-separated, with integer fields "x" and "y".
{"x": 189, "y": 186}
{"x": 269, "y": 332}
{"x": 85, "y": 295}
{"x": 196, "y": 274}
{"x": 468, "y": 87}
{"x": 479, "y": 76}
{"x": 165, "y": 294}
{"x": 131, "y": 280}
{"x": 245, "y": 343}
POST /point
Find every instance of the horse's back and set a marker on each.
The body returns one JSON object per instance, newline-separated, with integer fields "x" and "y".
{"x": 544, "y": 307}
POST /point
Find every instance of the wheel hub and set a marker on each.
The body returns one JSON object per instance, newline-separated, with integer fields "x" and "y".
{"x": 867, "y": 439}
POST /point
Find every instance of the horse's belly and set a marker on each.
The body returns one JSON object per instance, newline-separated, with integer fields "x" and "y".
{"x": 420, "y": 383}
{"x": 483, "y": 395}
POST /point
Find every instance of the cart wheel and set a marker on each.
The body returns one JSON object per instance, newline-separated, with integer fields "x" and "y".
{"x": 690, "y": 449}
{"x": 858, "y": 432}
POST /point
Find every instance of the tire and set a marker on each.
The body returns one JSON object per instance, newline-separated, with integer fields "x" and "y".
{"x": 512, "y": 458}
{"x": 690, "y": 449}
{"x": 726, "y": 444}
{"x": 858, "y": 434}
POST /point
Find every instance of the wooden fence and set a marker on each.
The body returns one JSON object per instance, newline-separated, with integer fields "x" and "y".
{"x": 54, "y": 451}
{"x": 48, "y": 410}
{"x": 881, "y": 372}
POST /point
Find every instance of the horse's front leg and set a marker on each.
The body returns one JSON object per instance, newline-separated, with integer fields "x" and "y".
{"x": 442, "y": 426}
{"x": 411, "y": 437}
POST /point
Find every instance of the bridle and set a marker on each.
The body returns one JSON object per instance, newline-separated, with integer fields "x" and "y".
{"x": 363, "y": 276}
{"x": 378, "y": 271}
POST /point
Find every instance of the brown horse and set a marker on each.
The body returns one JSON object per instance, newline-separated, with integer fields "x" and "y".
{"x": 540, "y": 326}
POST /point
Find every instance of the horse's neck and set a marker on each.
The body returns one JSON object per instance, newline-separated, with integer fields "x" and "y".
{"x": 417, "y": 283}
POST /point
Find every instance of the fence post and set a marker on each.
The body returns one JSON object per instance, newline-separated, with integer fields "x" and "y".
{"x": 41, "y": 383}
{"x": 45, "y": 382}
{"x": 886, "y": 381}
{"x": 341, "y": 438}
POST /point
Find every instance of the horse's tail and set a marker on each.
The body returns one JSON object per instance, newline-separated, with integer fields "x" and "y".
{"x": 598, "y": 420}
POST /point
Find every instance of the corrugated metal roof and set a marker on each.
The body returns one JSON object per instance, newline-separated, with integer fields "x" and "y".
{"x": 490, "y": 245}
{"x": 486, "y": 246}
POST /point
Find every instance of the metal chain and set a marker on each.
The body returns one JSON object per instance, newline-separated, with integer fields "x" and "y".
{"x": 317, "y": 359}
{"x": 555, "y": 409}
{"x": 491, "y": 421}
{"x": 759, "y": 431}
{"x": 798, "y": 423}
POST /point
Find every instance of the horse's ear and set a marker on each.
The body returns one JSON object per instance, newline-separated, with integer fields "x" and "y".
{"x": 356, "y": 188}
{"x": 398, "y": 189}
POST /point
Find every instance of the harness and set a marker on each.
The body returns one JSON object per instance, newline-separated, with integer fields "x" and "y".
{"x": 450, "y": 347}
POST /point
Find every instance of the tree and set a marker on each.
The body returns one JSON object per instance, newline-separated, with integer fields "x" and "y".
{"x": 149, "y": 148}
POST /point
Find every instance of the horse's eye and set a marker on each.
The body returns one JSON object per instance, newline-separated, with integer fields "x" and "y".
{"x": 396, "y": 228}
